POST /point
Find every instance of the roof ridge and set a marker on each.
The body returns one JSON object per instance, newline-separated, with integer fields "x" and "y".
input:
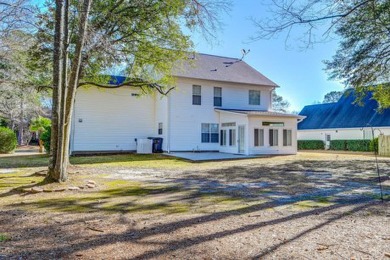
{"x": 219, "y": 56}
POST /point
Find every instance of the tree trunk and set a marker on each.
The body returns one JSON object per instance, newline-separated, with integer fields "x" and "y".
{"x": 58, "y": 70}
{"x": 74, "y": 74}
{"x": 21, "y": 122}
{"x": 64, "y": 87}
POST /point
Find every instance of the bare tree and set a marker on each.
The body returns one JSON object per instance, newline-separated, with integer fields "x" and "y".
{"x": 362, "y": 60}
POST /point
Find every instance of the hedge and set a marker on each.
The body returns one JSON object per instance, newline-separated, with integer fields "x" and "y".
{"x": 8, "y": 140}
{"x": 311, "y": 145}
{"x": 352, "y": 145}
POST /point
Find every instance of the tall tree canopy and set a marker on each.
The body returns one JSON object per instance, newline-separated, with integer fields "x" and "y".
{"x": 332, "y": 96}
{"x": 363, "y": 57}
{"x": 279, "y": 104}
{"x": 141, "y": 38}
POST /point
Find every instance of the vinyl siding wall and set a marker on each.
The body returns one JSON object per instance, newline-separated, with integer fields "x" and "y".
{"x": 341, "y": 134}
{"x": 111, "y": 119}
{"x": 289, "y": 124}
{"x": 185, "y": 119}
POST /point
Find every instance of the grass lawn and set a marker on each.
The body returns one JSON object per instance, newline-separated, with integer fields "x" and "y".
{"x": 123, "y": 160}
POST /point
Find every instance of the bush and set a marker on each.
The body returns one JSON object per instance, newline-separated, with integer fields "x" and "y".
{"x": 339, "y": 145}
{"x": 374, "y": 145}
{"x": 351, "y": 145}
{"x": 45, "y": 137}
{"x": 8, "y": 140}
{"x": 311, "y": 145}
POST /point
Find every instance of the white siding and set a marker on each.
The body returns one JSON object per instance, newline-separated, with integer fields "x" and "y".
{"x": 186, "y": 119}
{"x": 111, "y": 119}
{"x": 162, "y": 117}
{"x": 341, "y": 134}
{"x": 289, "y": 124}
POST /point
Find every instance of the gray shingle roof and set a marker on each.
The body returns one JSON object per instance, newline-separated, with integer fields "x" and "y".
{"x": 344, "y": 114}
{"x": 217, "y": 68}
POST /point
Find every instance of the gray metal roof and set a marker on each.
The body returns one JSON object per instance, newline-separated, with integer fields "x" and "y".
{"x": 345, "y": 114}
{"x": 217, "y": 68}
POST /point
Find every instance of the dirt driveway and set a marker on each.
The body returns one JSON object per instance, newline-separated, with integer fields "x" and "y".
{"x": 308, "y": 206}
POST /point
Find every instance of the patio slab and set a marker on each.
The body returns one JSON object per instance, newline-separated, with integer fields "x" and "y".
{"x": 210, "y": 156}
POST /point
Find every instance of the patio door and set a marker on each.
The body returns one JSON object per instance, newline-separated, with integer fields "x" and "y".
{"x": 241, "y": 139}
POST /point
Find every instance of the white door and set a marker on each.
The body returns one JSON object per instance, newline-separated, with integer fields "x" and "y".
{"x": 327, "y": 141}
{"x": 241, "y": 139}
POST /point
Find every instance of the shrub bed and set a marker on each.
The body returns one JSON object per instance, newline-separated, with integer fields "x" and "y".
{"x": 352, "y": 145}
{"x": 311, "y": 145}
{"x": 8, "y": 140}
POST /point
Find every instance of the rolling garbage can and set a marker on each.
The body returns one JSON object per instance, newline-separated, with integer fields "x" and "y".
{"x": 157, "y": 144}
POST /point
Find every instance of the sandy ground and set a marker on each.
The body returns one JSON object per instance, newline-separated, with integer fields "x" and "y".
{"x": 308, "y": 206}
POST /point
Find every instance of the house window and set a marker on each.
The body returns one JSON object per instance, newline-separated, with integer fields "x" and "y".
{"x": 228, "y": 124}
{"x": 160, "y": 128}
{"x": 273, "y": 124}
{"x": 287, "y": 137}
{"x": 196, "y": 95}
{"x": 210, "y": 133}
{"x": 223, "y": 138}
{"x": 259, "y": 137}
{"x": 232, "y": 137}
{"x": 217, "y": 97}
{"x": 273, "y": 137}
{"x": 254, "y": 97}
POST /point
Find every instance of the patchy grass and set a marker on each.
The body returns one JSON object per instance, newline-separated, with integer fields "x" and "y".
{"x": 4, "y": 237}
{"x": 118, "y": 160}
{"x": 316, "y": 202}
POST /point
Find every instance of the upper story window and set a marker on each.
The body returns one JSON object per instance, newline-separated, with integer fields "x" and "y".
{"x": 196, "y": 95}
{"x": 217, "y": 97}
{"x": 254, "y": 97}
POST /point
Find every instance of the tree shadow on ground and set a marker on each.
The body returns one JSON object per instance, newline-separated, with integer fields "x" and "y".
{"x": 279, "y": 186}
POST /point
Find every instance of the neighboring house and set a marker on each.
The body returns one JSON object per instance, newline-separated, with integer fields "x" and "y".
{"x": 219, "y": 104}
{"x": 344, "y": 120}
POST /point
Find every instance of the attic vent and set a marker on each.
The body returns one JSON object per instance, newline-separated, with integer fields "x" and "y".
{"x": 214, "y": 69}
{"x": 134, "y": 95}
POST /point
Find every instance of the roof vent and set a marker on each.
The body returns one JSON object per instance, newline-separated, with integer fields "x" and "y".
{"x": 214, "y": 69}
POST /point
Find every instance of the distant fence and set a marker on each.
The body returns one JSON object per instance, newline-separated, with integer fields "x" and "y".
{"x": 384, "y": 145}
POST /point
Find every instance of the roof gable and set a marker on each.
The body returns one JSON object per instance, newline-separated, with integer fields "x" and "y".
{"x": 217, "y": 68}
{"x": 344, "y": 114}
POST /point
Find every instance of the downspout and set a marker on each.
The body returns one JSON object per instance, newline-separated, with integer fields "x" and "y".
{"x": 168, "y": 124}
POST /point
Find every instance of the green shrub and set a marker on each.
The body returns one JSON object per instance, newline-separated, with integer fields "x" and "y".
{"x": 45, "y": 137}
{"x": 311, "y": 145}
{"x": 350, "y": 145}
{"x": 8, "y": 140}
{"x": 339, "y": 145}
{"x": 374, "y": 145}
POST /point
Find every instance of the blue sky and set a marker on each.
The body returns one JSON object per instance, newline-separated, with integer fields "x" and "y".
{"x": 299, "y": 73}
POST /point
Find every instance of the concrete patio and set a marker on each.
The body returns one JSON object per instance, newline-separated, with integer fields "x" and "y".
{"x": 210, "y": 156}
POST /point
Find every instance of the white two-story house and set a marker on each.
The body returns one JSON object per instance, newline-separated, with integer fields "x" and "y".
{"x": 219, "y": 104}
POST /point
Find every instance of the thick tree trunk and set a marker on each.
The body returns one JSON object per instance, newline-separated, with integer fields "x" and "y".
{"x": 64, "y": 87}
